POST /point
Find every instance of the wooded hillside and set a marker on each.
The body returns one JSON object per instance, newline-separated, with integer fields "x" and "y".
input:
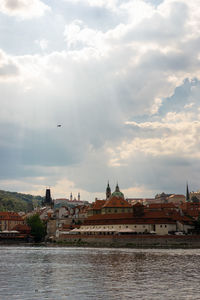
{"x": 13, "y": 201}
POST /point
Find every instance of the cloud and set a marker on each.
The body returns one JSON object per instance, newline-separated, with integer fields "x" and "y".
{"x": 24, "y": 9}
{"x": 112, "y": 4}
{"x": 127, "y": 96}
{"x": 43, "y": 44}
{"x": 9, "y": 70}
{"x": 175, "y": 132}
{"x": 77, "y": 36}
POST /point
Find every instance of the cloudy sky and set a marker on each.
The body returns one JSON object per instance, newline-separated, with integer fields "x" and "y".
{"x": 123, "y": 79}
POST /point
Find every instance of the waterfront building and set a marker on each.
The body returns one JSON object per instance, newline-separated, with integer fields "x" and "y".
{"x": 8, "y": 220}
{"x": 117, "y": 216}
{"x": 151, "y": 222}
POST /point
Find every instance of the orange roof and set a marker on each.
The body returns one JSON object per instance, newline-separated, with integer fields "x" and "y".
{"x": 115, "y": 201}
{"x": 98, "y": 204}
{"x": 149, "y": 217}
{"x": 128, "y": 218}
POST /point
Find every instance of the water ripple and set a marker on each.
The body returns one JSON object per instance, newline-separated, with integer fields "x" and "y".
{"x": 29, "y": 273}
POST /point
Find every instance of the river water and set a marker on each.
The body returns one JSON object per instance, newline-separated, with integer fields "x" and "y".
{"x": 28, "y": 273}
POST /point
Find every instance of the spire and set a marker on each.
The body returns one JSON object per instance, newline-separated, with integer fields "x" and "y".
{"x": 187, "y": 194}
{"x": 108, "y": 191}
{"x": 79, "y": 197}
{"x": 117, "y": 188}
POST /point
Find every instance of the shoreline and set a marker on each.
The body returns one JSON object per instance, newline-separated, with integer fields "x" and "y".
{"x": 127, "y": 241}
{"x": 123, "y": 241}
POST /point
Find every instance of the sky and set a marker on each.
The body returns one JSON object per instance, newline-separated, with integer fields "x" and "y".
{"x": 122, "y": 77}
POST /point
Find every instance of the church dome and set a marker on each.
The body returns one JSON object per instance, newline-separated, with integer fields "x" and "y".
{"x": 117, "y": 193}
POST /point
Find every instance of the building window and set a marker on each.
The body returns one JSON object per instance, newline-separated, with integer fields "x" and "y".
{"x": 160, "y": 225}
{"x": 135, "y": 226}
{"x": 165, "y": 226}
{"x": 126, "y": 226}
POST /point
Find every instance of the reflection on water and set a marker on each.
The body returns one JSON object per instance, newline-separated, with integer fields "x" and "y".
{"x": 94, "y": 273}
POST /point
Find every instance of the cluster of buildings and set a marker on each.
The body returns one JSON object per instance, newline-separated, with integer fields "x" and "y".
{"x": 115, "y": 215}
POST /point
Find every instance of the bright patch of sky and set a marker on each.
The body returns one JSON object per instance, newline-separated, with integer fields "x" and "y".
{"x": 122, "y": 77}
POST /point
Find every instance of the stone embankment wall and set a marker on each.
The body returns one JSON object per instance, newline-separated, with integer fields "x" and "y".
{"x": 136, "y": 241}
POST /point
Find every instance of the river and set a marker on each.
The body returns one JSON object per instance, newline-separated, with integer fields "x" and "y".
{"x": 28, "y": 273}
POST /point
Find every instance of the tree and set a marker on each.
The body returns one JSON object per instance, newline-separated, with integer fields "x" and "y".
{"x": 38, "y": 228}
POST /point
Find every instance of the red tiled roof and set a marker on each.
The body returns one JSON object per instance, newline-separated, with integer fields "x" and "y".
{"x": 97, "y": 205}
{"x": 117, "y": 202}
{"x": 128, "y": 218}
{"x": 149, "y": 217}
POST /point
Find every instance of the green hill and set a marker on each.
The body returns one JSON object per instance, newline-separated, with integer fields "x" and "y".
{"x": 13, "y": 201}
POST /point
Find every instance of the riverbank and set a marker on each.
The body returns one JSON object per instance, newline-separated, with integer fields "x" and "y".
{"x": 130, "y": 241}
{"x": 122, "y": 241}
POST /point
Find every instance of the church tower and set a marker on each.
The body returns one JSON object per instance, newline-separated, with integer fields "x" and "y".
{"x": 187, "y": 194}
{"x": 108, "y": 191}
{"x": 48, "y": 200}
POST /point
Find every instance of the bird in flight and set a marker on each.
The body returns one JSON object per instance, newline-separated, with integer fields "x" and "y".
{"x": 58, "y": 125}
